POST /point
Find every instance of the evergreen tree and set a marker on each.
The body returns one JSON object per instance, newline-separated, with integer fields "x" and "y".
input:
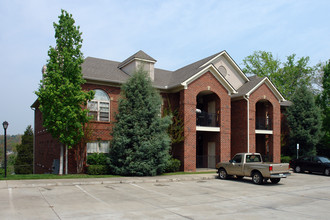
{"x": 140, "y": 144}
{"x": 60, "y": 94}
{"x": 304, "y": 119}
{"x": 24, "y": 160}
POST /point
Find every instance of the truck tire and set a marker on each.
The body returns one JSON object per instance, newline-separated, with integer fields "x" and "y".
{"x": 327, "y": 172}
{"x": 257, "y": 178}
{"x": 275, "y": 180}
{"x": 222, "y": 174}
{"x": 297, "y": 169}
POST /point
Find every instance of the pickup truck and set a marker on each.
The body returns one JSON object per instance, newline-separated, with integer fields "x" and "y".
{"x": 251, "y": 165}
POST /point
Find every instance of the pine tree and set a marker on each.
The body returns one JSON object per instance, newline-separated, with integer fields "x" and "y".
{"x": 304, "y": 119}
{"x": 24, "y": 160}
{"x": 60, "y": 94}
{"x": 140, "y": 144}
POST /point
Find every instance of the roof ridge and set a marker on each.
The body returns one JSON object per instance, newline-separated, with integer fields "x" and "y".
{"x": 138, "y": 55}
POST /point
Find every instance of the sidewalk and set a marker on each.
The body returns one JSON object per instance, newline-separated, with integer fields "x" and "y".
{"x": 4, "y": 184}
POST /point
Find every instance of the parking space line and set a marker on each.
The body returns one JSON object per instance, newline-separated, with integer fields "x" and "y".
{"x": 49, "y": 205}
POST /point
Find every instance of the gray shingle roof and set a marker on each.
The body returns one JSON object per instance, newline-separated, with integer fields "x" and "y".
{"x": 109, "y": 71}
{"x": 103, "y": 70}
{"x": 140, "y": 55}
{"x": 248, "y": 86}
{"x": 186, "y": 72}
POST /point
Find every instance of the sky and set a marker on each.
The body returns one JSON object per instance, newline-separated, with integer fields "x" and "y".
{"x": 174, "y": 32}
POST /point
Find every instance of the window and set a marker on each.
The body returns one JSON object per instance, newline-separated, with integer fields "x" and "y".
{"x": 237, "y": 159}
{"x": 99, "y": 107}
{"x": 98, "y": 147}
{"x": 253, "y": 158}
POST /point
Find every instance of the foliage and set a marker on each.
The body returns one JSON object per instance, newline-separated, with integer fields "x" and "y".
{"x": 60, "y": 94}
{"x": 285, "y": 159}
{"x": 176, "y": 128}
{"x": 24, "y": 159}
{"x": 12, "y": 141}
{"x": 97, "y": 159}
{"x": 304, "y": 120}
{"x": 287, "y": 76}
{"x": 97, "y": 169}
{"x": 323, "y": 101}
{"x": 173, "y": 165}
{"x": 140, "y": 143}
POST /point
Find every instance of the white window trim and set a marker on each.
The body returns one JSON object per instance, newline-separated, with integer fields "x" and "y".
{"x": 98, "y": 108}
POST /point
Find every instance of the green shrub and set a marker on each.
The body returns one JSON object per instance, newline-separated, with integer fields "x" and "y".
{"x": 97, "y": 170}
{"x": 173, "y": 165}
{"x": 285, "y": 159}
{"x": 97, "y": 159}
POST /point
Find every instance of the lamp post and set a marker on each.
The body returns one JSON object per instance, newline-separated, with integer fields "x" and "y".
{"x": 5, "y": 126}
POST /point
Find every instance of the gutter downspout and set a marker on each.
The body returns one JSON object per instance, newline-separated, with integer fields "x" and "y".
{"x": 246, "y": 97}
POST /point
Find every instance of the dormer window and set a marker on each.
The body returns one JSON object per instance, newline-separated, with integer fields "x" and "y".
{"x": 99, "y": 107}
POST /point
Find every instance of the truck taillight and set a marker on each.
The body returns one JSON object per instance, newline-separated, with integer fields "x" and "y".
{"x": 270, "y": 168}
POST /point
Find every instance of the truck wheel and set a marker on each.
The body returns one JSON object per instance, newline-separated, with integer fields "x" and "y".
{"x": 222, "y": 174}
{"x": 297, "y": 169}
{"x": 327, "y": 172}
{"x": 275, "y": 180}
{"x": 257, "y": 178}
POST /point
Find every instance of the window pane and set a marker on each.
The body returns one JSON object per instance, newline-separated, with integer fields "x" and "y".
{"x": 104, "y": 107}
{"x": 92, "y": 105}
{"x": 92, "y": 147}
{"x": 104, "y": 147}
{"x": 94, "y": 114}
{"x": 104, "y": 116}
{"x": 100, "y": 95}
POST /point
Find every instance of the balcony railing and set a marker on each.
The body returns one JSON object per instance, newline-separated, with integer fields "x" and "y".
{"x": 207, "y": 119}
{"x": 264, "y": 123}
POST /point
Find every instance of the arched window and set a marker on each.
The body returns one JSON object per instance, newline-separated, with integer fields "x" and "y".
{"x": 99, "y": 107}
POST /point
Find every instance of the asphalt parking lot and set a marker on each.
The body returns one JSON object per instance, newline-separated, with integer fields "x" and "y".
{"x": 300, "y": 196}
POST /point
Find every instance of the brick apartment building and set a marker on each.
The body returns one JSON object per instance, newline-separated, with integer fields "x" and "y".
{"x": 224, "y": 112}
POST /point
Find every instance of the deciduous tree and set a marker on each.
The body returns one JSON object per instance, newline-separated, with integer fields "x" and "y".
{"x": 324, "y": 103}
{"x": 286, "y": 76}
{"x": 60, "y": 94}
{"x": 304, "y": 119}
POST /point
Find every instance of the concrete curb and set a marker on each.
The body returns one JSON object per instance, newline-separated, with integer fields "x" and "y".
{"x": 5, "y": 184}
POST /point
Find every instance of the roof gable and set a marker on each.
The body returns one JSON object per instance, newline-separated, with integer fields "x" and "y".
{"x": 254, "y": 83}
{"x": 231, "y": 62}
{"x": 216, "y": 74}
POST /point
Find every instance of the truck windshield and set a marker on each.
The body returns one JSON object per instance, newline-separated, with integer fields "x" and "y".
{"x": 253, "y": 158}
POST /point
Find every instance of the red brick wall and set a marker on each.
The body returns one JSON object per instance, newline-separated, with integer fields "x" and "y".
{"x": 238, "y": 127}
{"x": 188, "y": 104}
{"x": 264, "y": 93}
{"x": 47, "y": 148}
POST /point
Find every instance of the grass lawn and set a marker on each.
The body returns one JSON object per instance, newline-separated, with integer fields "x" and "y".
{"x": 78, "y": 176}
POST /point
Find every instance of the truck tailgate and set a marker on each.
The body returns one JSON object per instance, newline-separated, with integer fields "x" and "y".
{"x": 280, "y": 168}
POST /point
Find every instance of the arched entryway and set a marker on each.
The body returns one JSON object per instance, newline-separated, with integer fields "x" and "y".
{"x": 264, "y": 129}
{"x": 207, "y": 129}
